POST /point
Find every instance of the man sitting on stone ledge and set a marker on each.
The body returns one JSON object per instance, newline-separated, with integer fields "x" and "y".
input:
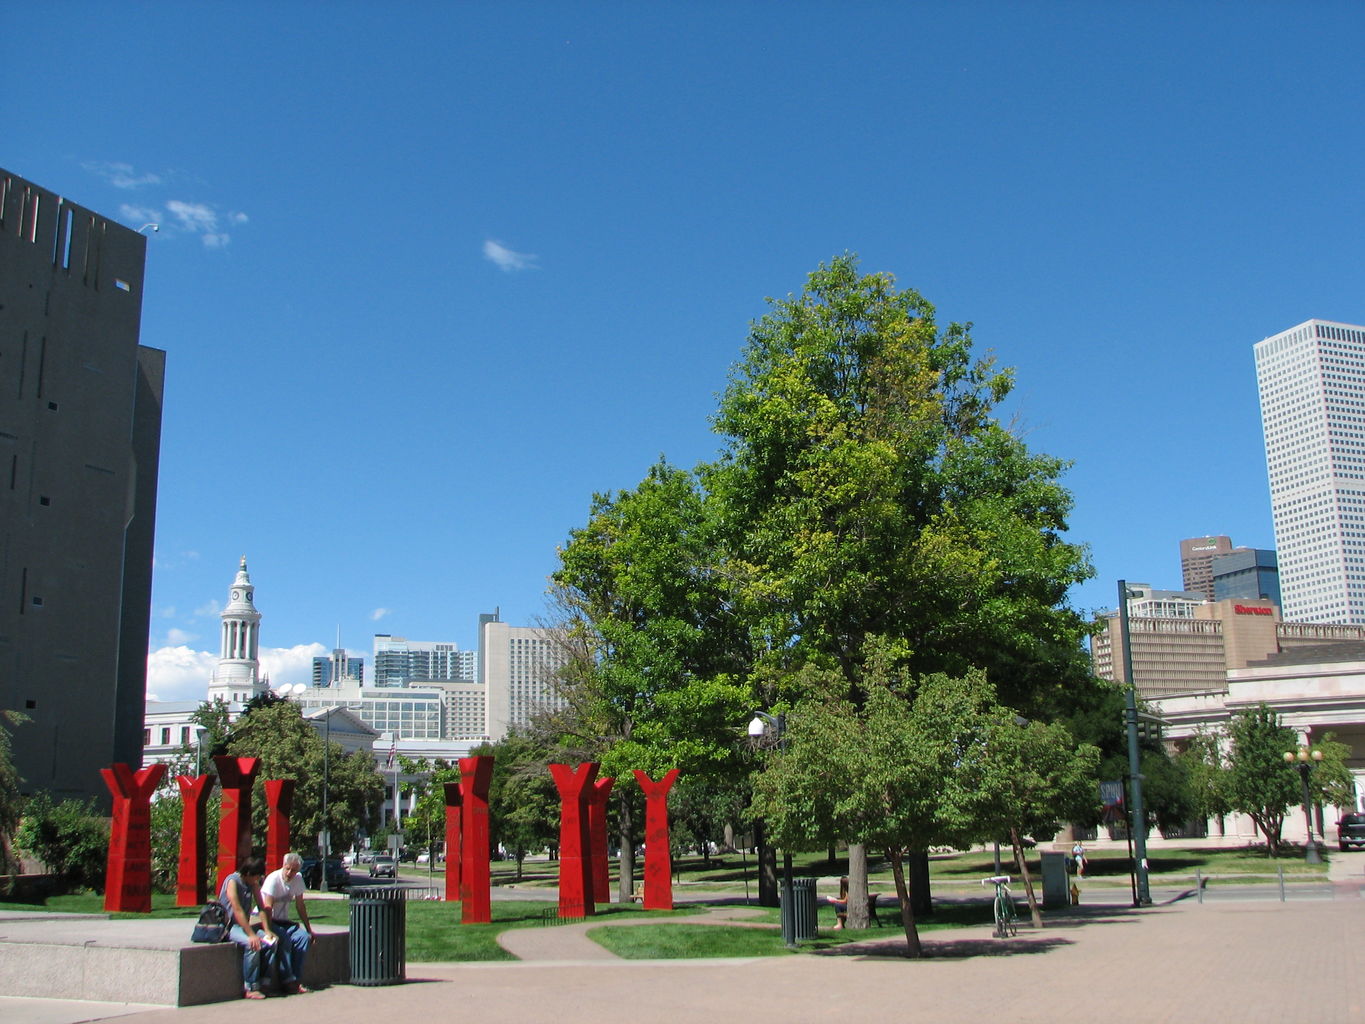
{"x": 281, "y": 888}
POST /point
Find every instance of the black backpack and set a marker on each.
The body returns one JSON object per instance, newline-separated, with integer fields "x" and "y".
{"x": 212, "y": 925}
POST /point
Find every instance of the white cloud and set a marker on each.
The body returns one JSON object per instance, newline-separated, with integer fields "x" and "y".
{"x": 121, "y": 175}
{"x": 237, "y": 217}
{"x": 168, "y": 612}
{"x": 178, "y": 637}
{"x": 140, "y": 214}
{"x": 216, "y": 240}
{"x": 207, "y": 608}
{"x": 508, "y": 260}
{"x": 290, "y": 664}
{"x": 193, "y": 216}
{"x": 380, "y": 613}
{"x": 176, "y": 672}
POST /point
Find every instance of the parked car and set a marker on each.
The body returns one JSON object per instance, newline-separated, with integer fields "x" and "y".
{"x": 1351, "y": 830}
{"x": 383, "y": 866}
{"x": 338, "y": 877}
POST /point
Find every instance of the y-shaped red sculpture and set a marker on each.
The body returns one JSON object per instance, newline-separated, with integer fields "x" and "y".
{"x": 236, "y": 775}
{"x": 575, "y": 842}
{"x": 597, "y": 827}
{"x": 128, "y": 871}
{"x": 658, "y": 858}
{"x": 279, "y": 798}
{"x": 475, "y": 893}
{"x": 191, "y": 886}
{"x": 453, "y": 846}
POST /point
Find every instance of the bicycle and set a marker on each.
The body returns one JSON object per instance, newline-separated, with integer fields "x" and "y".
{"x": 1006, "y": 920}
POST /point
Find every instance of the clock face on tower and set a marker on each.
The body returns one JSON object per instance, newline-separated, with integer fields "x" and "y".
{"x": 236, "y": 595}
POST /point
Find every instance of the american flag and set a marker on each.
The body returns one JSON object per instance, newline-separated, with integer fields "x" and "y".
{"x": 393, "y": 749}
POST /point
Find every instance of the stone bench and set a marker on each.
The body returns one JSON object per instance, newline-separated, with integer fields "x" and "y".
{"x": 76, "y": 956}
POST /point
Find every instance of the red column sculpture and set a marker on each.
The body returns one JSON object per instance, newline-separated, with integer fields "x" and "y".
{"x": 597, "y": 828}
{"x": 475, "y": 893}
{"x": 454, "y": 849}
{"x": 192, "y": 886}
{"x": 128, "y": 871}
{"x": 658, "y": 857}
{"x": 575, "y": 839}
{"x": 236, "y": 775}
{"x": 279, "y": 798}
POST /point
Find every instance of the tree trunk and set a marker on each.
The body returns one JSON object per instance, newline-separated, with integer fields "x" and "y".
{"x": 857, "y": 886}
{"x": 921, "y": 897}
{"x": 913, "y": 949}
{"x": 521, "y": 860}
{"x": 1036, "y": 914}
{"x": 625, "y": 884}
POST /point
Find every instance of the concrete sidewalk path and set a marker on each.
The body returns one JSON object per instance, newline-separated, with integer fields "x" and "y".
{"x": 1260, "y": 961}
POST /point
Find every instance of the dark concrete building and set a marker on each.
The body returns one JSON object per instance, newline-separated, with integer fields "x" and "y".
{"x": 80, "y": 437}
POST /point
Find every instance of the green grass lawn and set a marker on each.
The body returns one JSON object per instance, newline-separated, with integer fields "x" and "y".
{"x": 689, "y": 941}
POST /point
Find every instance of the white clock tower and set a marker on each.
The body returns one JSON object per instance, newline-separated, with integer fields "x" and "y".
{"x": 238, "y": 676}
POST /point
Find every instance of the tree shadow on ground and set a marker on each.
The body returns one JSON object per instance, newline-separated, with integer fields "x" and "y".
{"x": 950, "y": 949}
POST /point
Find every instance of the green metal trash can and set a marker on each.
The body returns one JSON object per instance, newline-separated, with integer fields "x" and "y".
{"x": 379, "y": 919}
{"x": 803, "y": 904}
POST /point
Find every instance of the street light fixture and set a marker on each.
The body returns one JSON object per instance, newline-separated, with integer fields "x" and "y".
{"x": 758, "y": 727}
{"x": 199, "y": 733}
{"x": 1142, "y": 896}
{"x": 1305, "y": 758}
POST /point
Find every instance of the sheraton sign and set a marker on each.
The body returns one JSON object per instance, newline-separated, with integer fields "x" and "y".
{"x": 1246, "y": 609}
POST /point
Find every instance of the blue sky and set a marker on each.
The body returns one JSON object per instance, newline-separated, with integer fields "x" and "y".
{"x": 429, "y": 275}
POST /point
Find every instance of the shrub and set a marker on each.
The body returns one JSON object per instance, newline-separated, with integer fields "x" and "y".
{"x": 69, "y": 838}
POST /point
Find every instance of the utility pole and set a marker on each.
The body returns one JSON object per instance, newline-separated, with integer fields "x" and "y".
{"x": 1143, "y": 896}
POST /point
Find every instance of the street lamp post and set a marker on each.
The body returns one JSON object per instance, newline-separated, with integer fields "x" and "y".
{"x": 199, "y": 732}
{"x": 326, "y": 830}
{"x": 1143, "y": 896}
{"x": 1305, "y": 758}
{"x": 757, "y": 727}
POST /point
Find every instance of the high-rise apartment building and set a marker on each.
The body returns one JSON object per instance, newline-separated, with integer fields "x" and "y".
{"x": 399, "y": 661}
{"x": 338, "y": 669}
{"x": 519, "y": 668}
{"x": 1311, "y": 380}
{"x": 80, "y": 439}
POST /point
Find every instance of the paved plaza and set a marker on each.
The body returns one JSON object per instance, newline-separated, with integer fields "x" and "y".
{"x": 1254, "y": 960}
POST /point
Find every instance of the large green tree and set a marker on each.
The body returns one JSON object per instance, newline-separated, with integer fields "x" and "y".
{"x": 874, "y": 506}
{"x": 872, "y": 501}
{"x": 654, "y": 678}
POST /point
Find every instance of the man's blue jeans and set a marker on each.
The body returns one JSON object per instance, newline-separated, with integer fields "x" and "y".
{"x": 291, "y": 950}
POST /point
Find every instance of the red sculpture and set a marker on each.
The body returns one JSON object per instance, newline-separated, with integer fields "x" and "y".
{"x": 279, "y": 799}
{"x": 658, "y": 859}
{"x": 236, "y": 775}
{"x": 475, "y": 893}
{"x": 192, "y": 887}
{"x": 597, "y": 827}
{"x": 453, "y": 847}
{"x": 128, "y": 871}
{"x": 575, "y": 840}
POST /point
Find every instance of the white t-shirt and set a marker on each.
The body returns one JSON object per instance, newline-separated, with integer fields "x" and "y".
{"x": 281, "y": 893}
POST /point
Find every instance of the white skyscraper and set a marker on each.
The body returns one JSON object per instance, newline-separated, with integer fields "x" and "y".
{"x": 1311, "y": 380}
